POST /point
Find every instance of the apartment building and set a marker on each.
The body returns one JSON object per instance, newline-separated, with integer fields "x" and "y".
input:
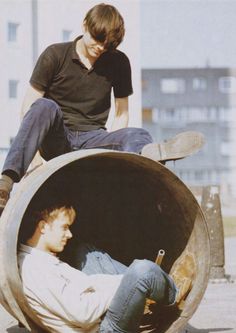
{"x": 202, "y": 99}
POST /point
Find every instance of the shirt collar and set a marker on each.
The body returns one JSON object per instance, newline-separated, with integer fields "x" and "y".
{"x": 39, "y": 253}
{"x": 75, "y": 55}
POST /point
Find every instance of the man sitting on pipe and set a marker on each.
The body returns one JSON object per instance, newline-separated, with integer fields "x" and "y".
{"x": 68, "y": 101}
{"x": 66, "y": 299}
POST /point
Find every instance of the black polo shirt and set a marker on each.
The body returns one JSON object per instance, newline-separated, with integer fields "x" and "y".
{"x": 83, "y": 95}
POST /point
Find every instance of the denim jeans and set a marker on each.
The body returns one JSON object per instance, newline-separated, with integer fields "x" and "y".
{"x": 142, "y": 279}
{"x": 43, "y": 129}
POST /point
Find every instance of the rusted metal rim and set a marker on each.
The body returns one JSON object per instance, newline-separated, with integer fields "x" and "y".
{"x": 12, "y": 296}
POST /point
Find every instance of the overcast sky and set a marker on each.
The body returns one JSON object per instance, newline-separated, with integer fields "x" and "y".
{"x": 188, "y": 33}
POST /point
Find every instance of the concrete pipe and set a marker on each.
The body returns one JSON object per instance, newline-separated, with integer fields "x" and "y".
{"x": 129, "y": 206}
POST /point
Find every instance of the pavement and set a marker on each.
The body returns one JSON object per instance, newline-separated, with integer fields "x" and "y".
{"x": 215, "y": 314}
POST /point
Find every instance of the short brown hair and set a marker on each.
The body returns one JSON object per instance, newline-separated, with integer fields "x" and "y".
{"x": 106, "y": 25}
{"x": 49, "y": 214}
{"x": 32, "y": 218}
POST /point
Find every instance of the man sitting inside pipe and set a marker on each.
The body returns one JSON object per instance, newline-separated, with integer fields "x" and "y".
{"x": 67, "y": 299}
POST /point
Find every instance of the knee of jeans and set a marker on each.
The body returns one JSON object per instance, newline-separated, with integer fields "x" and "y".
{"x": 145, "y": 267}
{"x": 134, "y": 138}
{"x": 46, "y": 107}
{"x": 135, "y": 133}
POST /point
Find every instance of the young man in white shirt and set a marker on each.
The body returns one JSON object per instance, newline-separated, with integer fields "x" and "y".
{"x": 67, "y": 300}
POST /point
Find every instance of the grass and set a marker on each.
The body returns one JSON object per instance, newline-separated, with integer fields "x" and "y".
{"x": 229, "y": 223}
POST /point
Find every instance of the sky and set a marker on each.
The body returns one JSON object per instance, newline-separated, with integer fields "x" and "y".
{"x": 188, "y": 33}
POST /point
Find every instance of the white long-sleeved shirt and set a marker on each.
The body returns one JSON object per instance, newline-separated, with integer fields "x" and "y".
{"x": 65, "y": 299}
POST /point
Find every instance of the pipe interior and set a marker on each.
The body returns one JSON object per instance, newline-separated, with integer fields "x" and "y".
{"x": 128, "y": 207}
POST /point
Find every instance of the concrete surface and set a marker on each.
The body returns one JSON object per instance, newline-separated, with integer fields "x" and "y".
{"x": 216, "y": 312}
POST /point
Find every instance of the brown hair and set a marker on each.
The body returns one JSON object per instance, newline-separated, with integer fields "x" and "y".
{"x": 49, "y": 214}
{"x": 32, "y": 218}
{"x": 105, "y": 25}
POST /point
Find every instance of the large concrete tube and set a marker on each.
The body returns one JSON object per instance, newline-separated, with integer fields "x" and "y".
{"x": 129, "y": 205}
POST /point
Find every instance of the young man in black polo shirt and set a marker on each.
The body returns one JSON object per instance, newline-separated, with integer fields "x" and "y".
{"x": 68, "y": 102}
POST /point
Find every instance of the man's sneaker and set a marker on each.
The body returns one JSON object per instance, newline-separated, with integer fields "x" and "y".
{"x": 183, "y": 272}
{"x": 180, "y": 146}
{"x": 4, "y": 196}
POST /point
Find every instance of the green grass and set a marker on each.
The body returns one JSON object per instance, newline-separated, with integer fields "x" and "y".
{"x": 229, "y": 224}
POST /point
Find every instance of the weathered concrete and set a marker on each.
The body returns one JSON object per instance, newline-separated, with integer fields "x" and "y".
{"x": 209, "y": 199}
{"x": 215, "y": 314}
{"x": 211, "y": 206}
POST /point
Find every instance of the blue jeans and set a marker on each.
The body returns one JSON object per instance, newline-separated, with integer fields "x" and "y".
{"x": 142, "y": 279}
{"x": 43, "y": 129}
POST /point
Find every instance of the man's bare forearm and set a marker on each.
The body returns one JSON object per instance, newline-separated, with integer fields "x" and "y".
{"x": 120, "y": 122}
{"x": 31, "y": 96}
{"x": 121, "y": 119}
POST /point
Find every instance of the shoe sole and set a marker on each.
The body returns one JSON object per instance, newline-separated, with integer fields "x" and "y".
{"x": 184, "y": 290}
{"x": 180, "y": 146}
{"x": 183, "y": 273}
{"x": 183, "y": 293}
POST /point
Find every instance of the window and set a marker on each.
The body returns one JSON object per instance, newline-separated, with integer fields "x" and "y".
{"x": 212, "y": 114}
{"x": 147, "y": 115}
{"x": 213, "y": 176}
{"x": 227, "y": 114}
{"x": 197, "y": 114}
{"x": 169, "y": 115}
{"x": 66, "y": 35}
{"x": 227, "y": 84}
{"x": 172, "y": 86}
{"x": 199, "y": 84}
{"x": 12, "y": 32}
{"x": 227, "y": 148}
{"x": 144, "y": 84}
{"x": 155, "y": 115}
{"x": 183, "y": 113}
{"x": 13, "y": 84}
{"x": 198, "y": 175}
